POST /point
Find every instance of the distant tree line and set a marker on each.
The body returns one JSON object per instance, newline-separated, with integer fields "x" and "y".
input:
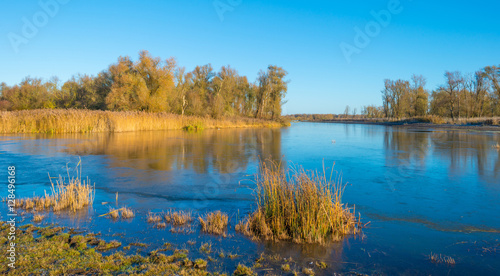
{"x": 461, "y": 96}
{"x": 156, "y": 85}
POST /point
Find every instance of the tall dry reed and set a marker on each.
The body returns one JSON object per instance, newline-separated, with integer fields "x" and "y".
{"x": 214, "y": 223}
{"x": 92, "y": 121}
{"x": 71, "y": 193}
{"x": 298, "y": 205}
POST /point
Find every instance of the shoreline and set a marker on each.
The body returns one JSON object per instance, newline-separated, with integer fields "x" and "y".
{"x": 56, "y": 121}
{"x": 417, "y": 125}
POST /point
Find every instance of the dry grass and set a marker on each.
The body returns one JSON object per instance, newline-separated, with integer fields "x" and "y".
{"x": 308, "y": 271}
{"x": 113, "y": 213}
{"x": 38, "y": 217}
{"x": 88, "y": 121}
{"x": 489, "y": 121}
{"x": 127, "y": 213}
{"x": 161, "y": 225}
{"x": 304, "y": 207}
{"x": 431, "y": 119}
{"x": 71, "y": 193}
{"x": 438, "y": 259}
{"x": 242, "y": 270}
{"x": 153, "y": 218}
{"x": 178, "y": 218}
{"x": 214, "y": 223}
{"x": 206, "y": 248}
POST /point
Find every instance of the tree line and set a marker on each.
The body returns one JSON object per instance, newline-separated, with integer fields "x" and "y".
{"x": 461, "y": 96}
{"x": 156, "y": 85}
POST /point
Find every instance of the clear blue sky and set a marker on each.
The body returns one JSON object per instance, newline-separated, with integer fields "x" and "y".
{"x": 426, "y": 37}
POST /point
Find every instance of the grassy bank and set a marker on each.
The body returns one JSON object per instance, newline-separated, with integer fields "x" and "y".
{"x": 301, "y": 206}
{"x": 87, "y": 121}
{"x": 57, "y": 252}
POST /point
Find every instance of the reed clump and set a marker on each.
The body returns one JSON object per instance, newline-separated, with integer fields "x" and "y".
{"x": 38, "y": 217}
{"x": 113, "y": 213}
{"x": 438, "y": 259}
{"x": 178, "y": 218}
{"x": 71, "y": 193}
{"x": 214, "y": 223}
{"x": 242, "y": 270}
{"x": 298, "y": 205}
{"x": 95, "y": 121}
{"x": 153, "y": 218}
{"x": 127, "y": 213}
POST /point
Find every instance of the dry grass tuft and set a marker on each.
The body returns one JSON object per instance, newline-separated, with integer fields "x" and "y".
{"x": 178, "y": 218}
{"x": 214, "y": 223}
{"x": 438, "y": 259}
{"x": 71, "y": 193}
{"x": 308, "y": 271}
{"x": 286, "y": 268}
{"x": 127, "y": 213}
{"x": 114, "y": 213}
{"x": 304, "y": 207}
{"x": 242, "y": 270}
{"x": 153, "y": 218}
{"x": 161, "y": 225}
{"x": 206, "y": 248}
{"x": 38, "y": 217}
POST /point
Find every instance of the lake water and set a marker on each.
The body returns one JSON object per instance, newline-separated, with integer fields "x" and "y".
{"x": 422, "y": 192}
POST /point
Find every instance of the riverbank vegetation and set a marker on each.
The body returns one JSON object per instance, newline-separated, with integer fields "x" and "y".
{"x": 304, "y": 207}
{"x": 96, "y": 121}
{"x": 461, "y": 96}
{"x": 432, "y": 119}
{"x": 148, "y": 85}
{"x": 471, "y": 98}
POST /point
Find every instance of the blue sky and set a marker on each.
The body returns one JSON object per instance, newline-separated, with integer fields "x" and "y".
{"x": 425, "y": 37}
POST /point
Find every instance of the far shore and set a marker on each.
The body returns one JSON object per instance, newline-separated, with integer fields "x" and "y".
{"x": 416, "y": 124}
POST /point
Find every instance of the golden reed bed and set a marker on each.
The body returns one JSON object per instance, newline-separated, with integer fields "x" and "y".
{"x": 92, "y": 121}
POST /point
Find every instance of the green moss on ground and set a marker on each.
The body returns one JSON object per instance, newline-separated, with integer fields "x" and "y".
{"x": 58, "y": 253}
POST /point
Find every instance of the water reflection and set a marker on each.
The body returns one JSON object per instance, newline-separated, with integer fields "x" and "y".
{"x": 222, "y": 151}
{"x": 461, "y": 151}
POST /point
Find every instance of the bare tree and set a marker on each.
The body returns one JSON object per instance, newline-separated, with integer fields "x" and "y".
{"x": 346, "y": 111}
{"x": 454, "y": 81}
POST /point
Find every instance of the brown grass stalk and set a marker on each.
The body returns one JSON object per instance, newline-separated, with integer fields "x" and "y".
{"x": 298, "y": 205}
{"x": 178, "y": 218}
{"x": 214, "y": 223}
{"x": 153, "y": 218}
{"x": 127, "y": 213}
{"x": 72, "y": 193}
